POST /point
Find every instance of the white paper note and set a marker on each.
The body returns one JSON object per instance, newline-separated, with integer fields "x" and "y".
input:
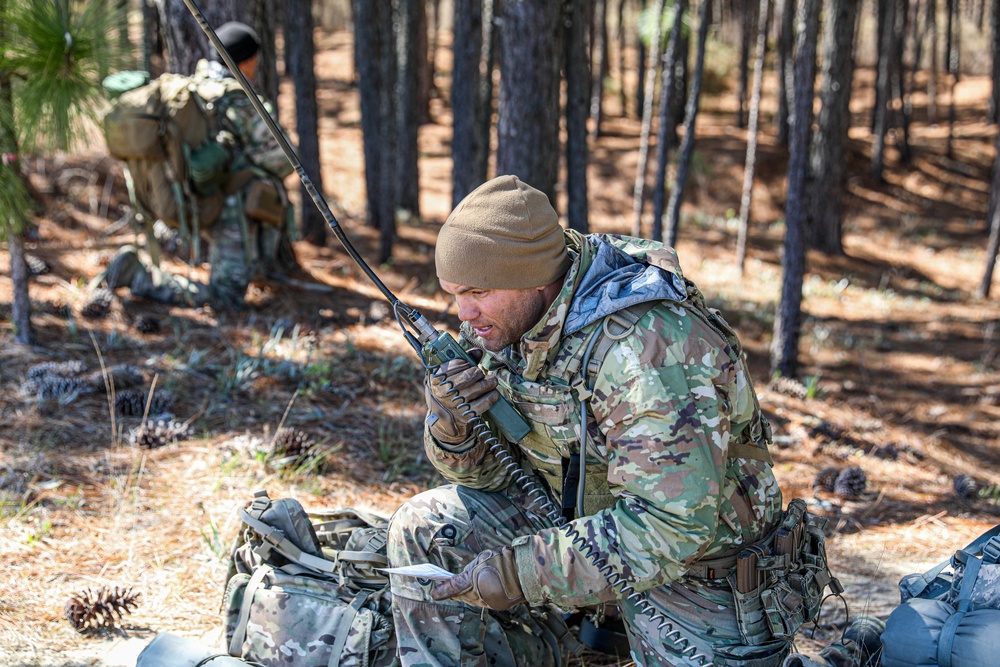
{"x": 420, "y": 571}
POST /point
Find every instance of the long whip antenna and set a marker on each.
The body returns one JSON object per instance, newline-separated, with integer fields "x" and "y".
{"x": 412, "y": 316}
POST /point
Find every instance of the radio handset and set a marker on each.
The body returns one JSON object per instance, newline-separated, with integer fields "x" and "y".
{"x": 436, "y": 347}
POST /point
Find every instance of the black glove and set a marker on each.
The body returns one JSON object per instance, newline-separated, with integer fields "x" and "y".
{"x": 489, "y": 581}
{"x": 446, "y": 387}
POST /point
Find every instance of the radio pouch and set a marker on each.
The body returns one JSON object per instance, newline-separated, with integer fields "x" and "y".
{"x": 264, "y": 202}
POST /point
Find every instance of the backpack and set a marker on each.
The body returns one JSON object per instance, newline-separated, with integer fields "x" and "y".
{"x": 164, "y": 133}
{"x": 950, "y": 615}
{"x": 304, "y": 588}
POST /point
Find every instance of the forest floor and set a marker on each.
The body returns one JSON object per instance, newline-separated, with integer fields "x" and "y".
{"x": 900, "y": 368}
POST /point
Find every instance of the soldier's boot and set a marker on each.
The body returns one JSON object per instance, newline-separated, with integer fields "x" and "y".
{"x": 861, "y": 645}
{"x": 120, "y": 271}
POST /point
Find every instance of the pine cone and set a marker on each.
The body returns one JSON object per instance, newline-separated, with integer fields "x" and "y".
{"x": 146, "y": 324}
{"x": 851, "y": 483}
{"x": 60, "y": 368}
{"x": 99, "y": 304}
{"x": 966, "y": 486}
{"x": 886, "y": 452}
{"x": 130, "y": 403}
{"x": 36, "y": 265}
{"x": 826, "y": 478}
{"x": 53, "y": 386}
{"x": 90, "y": 611}
{"x": 60, "y": 310}
{"x": 162, "y": 403}
{"x": 788, "y": 387}
{"x": 827, "y": 430}
{"x": 292, "y": 444}
{"x": 123, "y": 376}
{"x": 152, "y": 435}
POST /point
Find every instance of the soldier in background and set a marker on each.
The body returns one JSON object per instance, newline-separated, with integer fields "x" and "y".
{"x": 241, "y": 246}
{"x": 677, "y": 477}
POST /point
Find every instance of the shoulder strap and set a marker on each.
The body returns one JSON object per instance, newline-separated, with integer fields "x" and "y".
{"x": 276, "y": 539}
{"x": 345, "y": 626}
{"x": 620, "y": 324}
{"x": 615, "y": 326}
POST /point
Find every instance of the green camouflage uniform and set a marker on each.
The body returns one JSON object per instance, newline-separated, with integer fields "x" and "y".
{"x": 240, "y": 248}
{"x": 664, "y": 490}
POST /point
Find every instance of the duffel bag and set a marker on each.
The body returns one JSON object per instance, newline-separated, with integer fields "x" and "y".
{"x": 949, "y": 618}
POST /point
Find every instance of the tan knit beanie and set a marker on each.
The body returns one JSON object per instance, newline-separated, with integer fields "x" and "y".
{"x": 503, "y": 235}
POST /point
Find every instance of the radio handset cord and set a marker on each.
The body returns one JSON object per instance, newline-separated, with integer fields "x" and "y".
{"x": 436, "y": 347}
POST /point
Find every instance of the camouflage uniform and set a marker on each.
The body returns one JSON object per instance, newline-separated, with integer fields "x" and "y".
{"x": 240, "y": 247}
{"x": 664, "y": 489}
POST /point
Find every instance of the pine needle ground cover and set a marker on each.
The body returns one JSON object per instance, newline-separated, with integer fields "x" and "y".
{"x": 315, "y": 394}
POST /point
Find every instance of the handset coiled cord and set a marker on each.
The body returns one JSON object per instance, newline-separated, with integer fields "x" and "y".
{"x": 537, "y": 495}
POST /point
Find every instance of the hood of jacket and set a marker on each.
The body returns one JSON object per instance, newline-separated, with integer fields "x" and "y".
{"x": 620, "y": 272}
{"x": 609, "y": 273}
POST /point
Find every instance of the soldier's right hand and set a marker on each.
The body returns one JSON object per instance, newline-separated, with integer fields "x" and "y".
{"x": 456, "y": 391}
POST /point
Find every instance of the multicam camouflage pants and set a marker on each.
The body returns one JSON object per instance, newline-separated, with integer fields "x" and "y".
{"x": 449, "y": 525}
{"x": 236, "y": 245}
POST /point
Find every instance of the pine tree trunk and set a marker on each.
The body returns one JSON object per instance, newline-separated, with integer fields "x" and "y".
{"x": 880, "y": 115}
{"x": 640, "y": 79}
{"x": 899, "y": 80}
{"x": 422, "y": 68}
{"x": 528, "y": 145}
{"x": 931, "y": 18}
{"x": 665, "y": 134}
{"x": 829, "y": 147}
{"x": 491, "y": 40}
{"x": 184, "y": 39}
{"x": 387, "y": 117}
{"x": 954, "y": 31}
{"x": 598, "y": 46}
{"x": 262, "y": 16}
{"x": 465, "y": 99}
{"x": 786, "y": 83}
{"x": 787, "y": 321}
{"x": 10, "y": 227}
{"x": 152, "y": 39}
{"x": 747, "y": 17}
{"x": 647, "y": 120}
{"x": 993, "y": 114}
{"x": 577, "y": 86}
{"x": 375, "y": 59}
{"x": 300, "y": 56}
{"x": 620, "y": 69}
{"x": 690, "y": 116}
{"x": 993, "y": 220}
{"x": 753, "y": 122}
{"x": 407, "y": 107}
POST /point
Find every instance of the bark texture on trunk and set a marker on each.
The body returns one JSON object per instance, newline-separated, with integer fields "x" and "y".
{"x": 788, "y": 319}
{"x": 528, "y": 145}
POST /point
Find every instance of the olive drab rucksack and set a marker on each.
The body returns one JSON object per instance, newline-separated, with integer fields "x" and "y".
{"x": 305, "y": 589}
{"x": 164, "y": 131}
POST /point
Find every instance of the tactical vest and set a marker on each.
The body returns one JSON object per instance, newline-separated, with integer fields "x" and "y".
{"x": 555, "y": 405}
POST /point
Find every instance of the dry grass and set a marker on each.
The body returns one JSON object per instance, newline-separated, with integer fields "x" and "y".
{"x": 897, "y": 354}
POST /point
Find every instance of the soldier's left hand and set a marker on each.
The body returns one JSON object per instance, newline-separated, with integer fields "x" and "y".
{"x": 491, "y": 580}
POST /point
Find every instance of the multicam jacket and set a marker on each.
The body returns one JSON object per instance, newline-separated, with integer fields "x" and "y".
{"x": 672, "y": 405}
{"x": 237, "y": 115}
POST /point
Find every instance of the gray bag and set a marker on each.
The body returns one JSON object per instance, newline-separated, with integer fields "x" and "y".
{"x": 949, "y": 619}
{"x": 167, "y": 650}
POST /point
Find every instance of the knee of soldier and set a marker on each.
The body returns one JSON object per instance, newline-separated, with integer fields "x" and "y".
{"x": 423, "y": 521}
